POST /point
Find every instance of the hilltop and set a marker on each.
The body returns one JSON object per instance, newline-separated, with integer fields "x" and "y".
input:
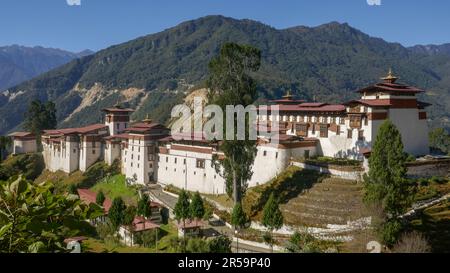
{"x": 155, "y": 72}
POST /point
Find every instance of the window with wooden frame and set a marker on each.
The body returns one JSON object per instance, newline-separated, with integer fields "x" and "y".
{"x": 341, "y": 120}
{"x": 361, "y": 135}
{"x": 349, "y": 134}
{"x": 313, "y": 129}
{"x": 302, "y": 130}
{"x": 355, "y": 121}
{"x": 200, "y": 163}
{"x": 338, "y": 130}
{"x": 323, "y": 130}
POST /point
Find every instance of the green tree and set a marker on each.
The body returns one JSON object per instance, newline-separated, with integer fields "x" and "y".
{"x": 220, "y": 244}
{"x": 35, "y": 219}
{"x": 272, "y": 218}
{"x": 100, "y": 198}
{"x": 129, "y": 215}
{"x": 39, "y": 117}
{"x": 116, "y": 213}
{"x": 182, "y": 211}
{"x": 5, "y": 143}
{"x": 230, "y": 83}
{"x": 196, "y": 207}
{"x": 239, "y": 220}
{"x": 144, "y": 208}
{"x": 302, "y": 243}
{"x": 146, "y": 238}
{"x": 386, "y": 184}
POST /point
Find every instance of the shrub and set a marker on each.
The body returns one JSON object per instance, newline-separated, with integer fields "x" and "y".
{"x": 220, "y": 244}
{"x": 390, "y": 231}
{"x": 423, "y": 182}
{"x": 73, "y": 189}
{"x": 438, "y": 180}
{"x": 413, "y": 242}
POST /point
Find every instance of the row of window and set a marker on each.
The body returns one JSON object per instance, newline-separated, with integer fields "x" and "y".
{"x": 184, "y": 171}
{"x": 200, "y": 163}
{"x": 265, "y": 154}
{"x": 328, "y": 120}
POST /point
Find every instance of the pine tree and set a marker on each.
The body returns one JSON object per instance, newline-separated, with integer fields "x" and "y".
{"x": 386, "y": 184}
{"x": 116, "y": 213}
{"x": 181, "y": 209}
{"x": 272, "y": 218}
{"x": 197, "y": 209}
{"x": 129, "y": 215}
{"x": 230, "y": 83}
{"x": 239, "y": 220}
{"x": 144, "y": 208}
{"x": 182, "y": 212}
{"x": 100, "y": 198}
{"x": 39, "y": 117}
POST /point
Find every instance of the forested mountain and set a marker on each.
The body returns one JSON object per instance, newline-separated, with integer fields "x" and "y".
{"x": 20, "y": 63}
{"x": 152, "y": 73}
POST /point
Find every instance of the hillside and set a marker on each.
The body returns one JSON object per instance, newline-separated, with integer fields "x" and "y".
{"x": 154, "y": 72}
{"x": 20, "y": 63}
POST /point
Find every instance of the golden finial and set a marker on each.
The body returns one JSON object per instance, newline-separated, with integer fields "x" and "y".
{"x": 288, "y": 95}
{"x": 390, "y": 78}
{"x": 148, "y": 119}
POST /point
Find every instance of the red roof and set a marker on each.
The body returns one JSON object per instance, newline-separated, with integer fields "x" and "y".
{"x": 89, "y": 197}
{"x": 81, "y": 130}
{"x": 142, "y": 224}
{"x": 307, "y": 107}
{"x": 365, "y": 151}
{"x": 391, "y": 87}
{"x": 91, "y": 128}
{"x": 21, "y": 134}
{"x": 117, "y": 109}
{"x": 378, "y": 102}
{"x": 287, "y": 101}
{"x": 190, "y": 224}
{"x": 312, "y": 104}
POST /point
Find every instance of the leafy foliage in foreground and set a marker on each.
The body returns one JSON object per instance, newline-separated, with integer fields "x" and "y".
{"x": 34, "y": 219}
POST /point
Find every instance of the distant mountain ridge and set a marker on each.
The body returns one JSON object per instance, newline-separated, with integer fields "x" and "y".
{"x": 432, "y": 49}
{"x": 20, "y": 63}
{"x": 154, "y": 72}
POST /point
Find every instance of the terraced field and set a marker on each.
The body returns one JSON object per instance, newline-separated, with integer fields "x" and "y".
{"x": 333, "y": 201}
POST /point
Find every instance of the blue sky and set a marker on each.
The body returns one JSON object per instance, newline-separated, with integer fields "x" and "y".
{"x": 97, "y": 24}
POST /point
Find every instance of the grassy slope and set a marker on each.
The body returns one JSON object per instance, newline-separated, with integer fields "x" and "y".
{"x": 29, "y": 165}
{"x": 115, "y": 186}
{"x": 92, "y": 176}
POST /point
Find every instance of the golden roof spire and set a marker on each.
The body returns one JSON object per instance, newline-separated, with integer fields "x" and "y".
{"x": 390, "y": 78}
{"x": 288, "y": 95}
{"x": 148, "y": 119}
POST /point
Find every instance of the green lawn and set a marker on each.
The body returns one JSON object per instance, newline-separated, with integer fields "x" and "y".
{"x": 115, "y": 186}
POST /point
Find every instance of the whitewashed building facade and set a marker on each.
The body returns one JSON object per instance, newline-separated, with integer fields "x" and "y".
{"x": 147, "y": 153}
